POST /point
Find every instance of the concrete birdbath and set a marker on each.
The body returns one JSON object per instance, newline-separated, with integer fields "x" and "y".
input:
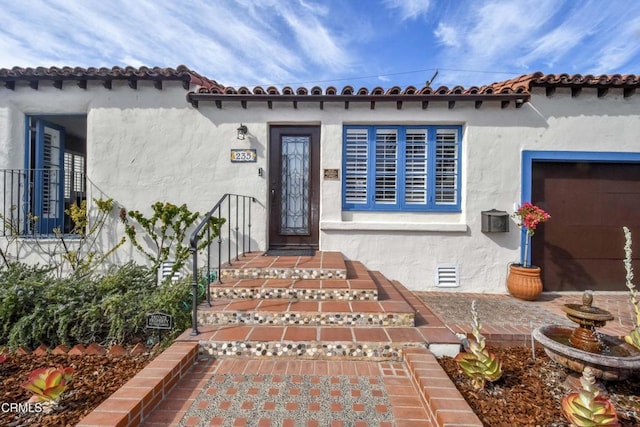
{"x": 609, "y": 357}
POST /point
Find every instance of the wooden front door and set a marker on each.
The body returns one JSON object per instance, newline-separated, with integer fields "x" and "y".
{"x": 294, "y": 186}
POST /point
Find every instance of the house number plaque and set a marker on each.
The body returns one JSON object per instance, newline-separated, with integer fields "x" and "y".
{"x": 247, "y": 155}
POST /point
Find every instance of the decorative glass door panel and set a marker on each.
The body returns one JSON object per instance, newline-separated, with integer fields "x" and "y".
{"x": 294, "y": 177}
{"x": 294, "y": 209}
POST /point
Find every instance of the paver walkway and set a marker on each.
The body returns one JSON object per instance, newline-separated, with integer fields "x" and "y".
{"x": 291, "y": 393}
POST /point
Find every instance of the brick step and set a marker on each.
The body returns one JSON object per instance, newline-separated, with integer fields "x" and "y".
{"x": 254, "y": 265}
{"x": 300, "y": 289}
{"x": 308, "y": 313}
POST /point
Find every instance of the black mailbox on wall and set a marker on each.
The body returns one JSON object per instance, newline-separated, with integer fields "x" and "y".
{"x": 495, "y": 221}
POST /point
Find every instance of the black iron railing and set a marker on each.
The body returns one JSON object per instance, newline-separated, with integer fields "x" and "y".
{"x": 237, "y": 231}
{"x": 34, "y": 201}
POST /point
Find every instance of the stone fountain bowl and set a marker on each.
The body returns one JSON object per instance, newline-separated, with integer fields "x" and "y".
{"x": 606, "y": 367}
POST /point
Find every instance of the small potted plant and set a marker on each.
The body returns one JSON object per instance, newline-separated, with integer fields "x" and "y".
{"x": 524, "y": 280}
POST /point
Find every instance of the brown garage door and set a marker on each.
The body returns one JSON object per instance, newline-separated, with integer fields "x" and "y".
{"x": 581, "y": 246}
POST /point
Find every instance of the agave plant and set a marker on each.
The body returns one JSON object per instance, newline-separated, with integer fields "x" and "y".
{"x": 586, "y": 408}
{"x": 48, "y": 384}
{"x": 477, "y": 363}
{"x": 634, "y": 336}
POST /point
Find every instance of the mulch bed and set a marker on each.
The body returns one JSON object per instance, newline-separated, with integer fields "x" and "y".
{"x": 96, "y": 378}
{"x": 529, "y": 392}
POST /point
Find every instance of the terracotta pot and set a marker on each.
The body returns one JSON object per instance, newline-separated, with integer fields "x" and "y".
{"x": 524, "y": 282}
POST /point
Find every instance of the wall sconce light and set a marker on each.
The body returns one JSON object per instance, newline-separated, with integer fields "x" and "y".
{"x": 242, "y": 132}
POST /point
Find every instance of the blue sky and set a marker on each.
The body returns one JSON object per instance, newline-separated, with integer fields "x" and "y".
{"x": 362, "y": 43}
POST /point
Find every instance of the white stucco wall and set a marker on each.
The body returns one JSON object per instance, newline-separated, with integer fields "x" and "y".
{"x": 149, "y": 145}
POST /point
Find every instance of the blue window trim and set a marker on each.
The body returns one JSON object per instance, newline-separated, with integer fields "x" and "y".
{"x": 530, "y": 157}
{"x": 401, "y": 205}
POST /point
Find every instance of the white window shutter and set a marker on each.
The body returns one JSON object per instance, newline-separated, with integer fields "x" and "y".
{"x": 355, "y": 175}
{"x": 446, "y": 174}
{"x": 386, "y": 166}
{"x": 416, "y": 167}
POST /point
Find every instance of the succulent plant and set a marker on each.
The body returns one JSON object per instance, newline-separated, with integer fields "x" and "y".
{"x": 586, "y": 407}
{"x": 634, "y": 336}
{"x": 477, "y": 362}
{"x": 48, "y": 384}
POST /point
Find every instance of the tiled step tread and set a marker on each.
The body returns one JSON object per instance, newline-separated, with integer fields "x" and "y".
{"x": 284, "y": 312}
{"x": 297, "y": 306}
{"x": 316, "y": 341}
{"x": 358, "y": 289}
{"x": 305, "y": 350}
{"x": 356, "y": 270}
{"x": 258, "y": 333}
{"x": 324, "y": 265}
{"x": 309, "y": 341}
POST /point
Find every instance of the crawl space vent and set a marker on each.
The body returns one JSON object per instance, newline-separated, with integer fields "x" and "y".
{"x": 447, "y": 276}
{"x": 165, "y": 271}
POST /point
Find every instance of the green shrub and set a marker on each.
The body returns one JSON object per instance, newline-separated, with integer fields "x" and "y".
{"x": 111, "y": 308}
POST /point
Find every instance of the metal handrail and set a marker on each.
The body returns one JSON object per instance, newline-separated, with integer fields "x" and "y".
{"x": 239, "y": 202}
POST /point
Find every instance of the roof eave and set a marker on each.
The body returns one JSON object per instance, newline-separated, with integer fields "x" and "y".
{"x": 219, "y": 98}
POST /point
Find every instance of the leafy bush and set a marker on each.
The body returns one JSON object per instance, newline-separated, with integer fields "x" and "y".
{"x": 37, "y": 307}
{"x": 165, "y": 232}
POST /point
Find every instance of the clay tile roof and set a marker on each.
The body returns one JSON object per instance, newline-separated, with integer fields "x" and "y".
{"x": 524, "y": 83}
{"x": 515, "y": 85}
{"x": 347, "y": 90}
{"x": 517, "y": 89}
{"x": 156, "y": 74}
{"x": 395, "y": 90}
{"x": 425, "y": 91}
{"x": 442, "y": 90}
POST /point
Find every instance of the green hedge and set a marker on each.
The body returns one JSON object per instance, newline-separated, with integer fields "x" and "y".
{"x": 37, "y": 308}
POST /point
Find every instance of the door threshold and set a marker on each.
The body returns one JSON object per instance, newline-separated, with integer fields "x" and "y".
{"x": 290, "y": 252}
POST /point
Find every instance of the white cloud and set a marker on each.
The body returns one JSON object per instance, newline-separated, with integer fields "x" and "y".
{"x": 620, "y": 50}
{"x": 502, "y": 28}
{"x": 248, "y": 42}
{"x": 235, "y": 42}
{"x": 315, "y": 39}
{"x": 447, "y": 35}
{"x": 409, "y": 9}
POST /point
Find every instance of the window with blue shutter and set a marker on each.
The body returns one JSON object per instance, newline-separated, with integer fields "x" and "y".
{"x": 401, "y": 168}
